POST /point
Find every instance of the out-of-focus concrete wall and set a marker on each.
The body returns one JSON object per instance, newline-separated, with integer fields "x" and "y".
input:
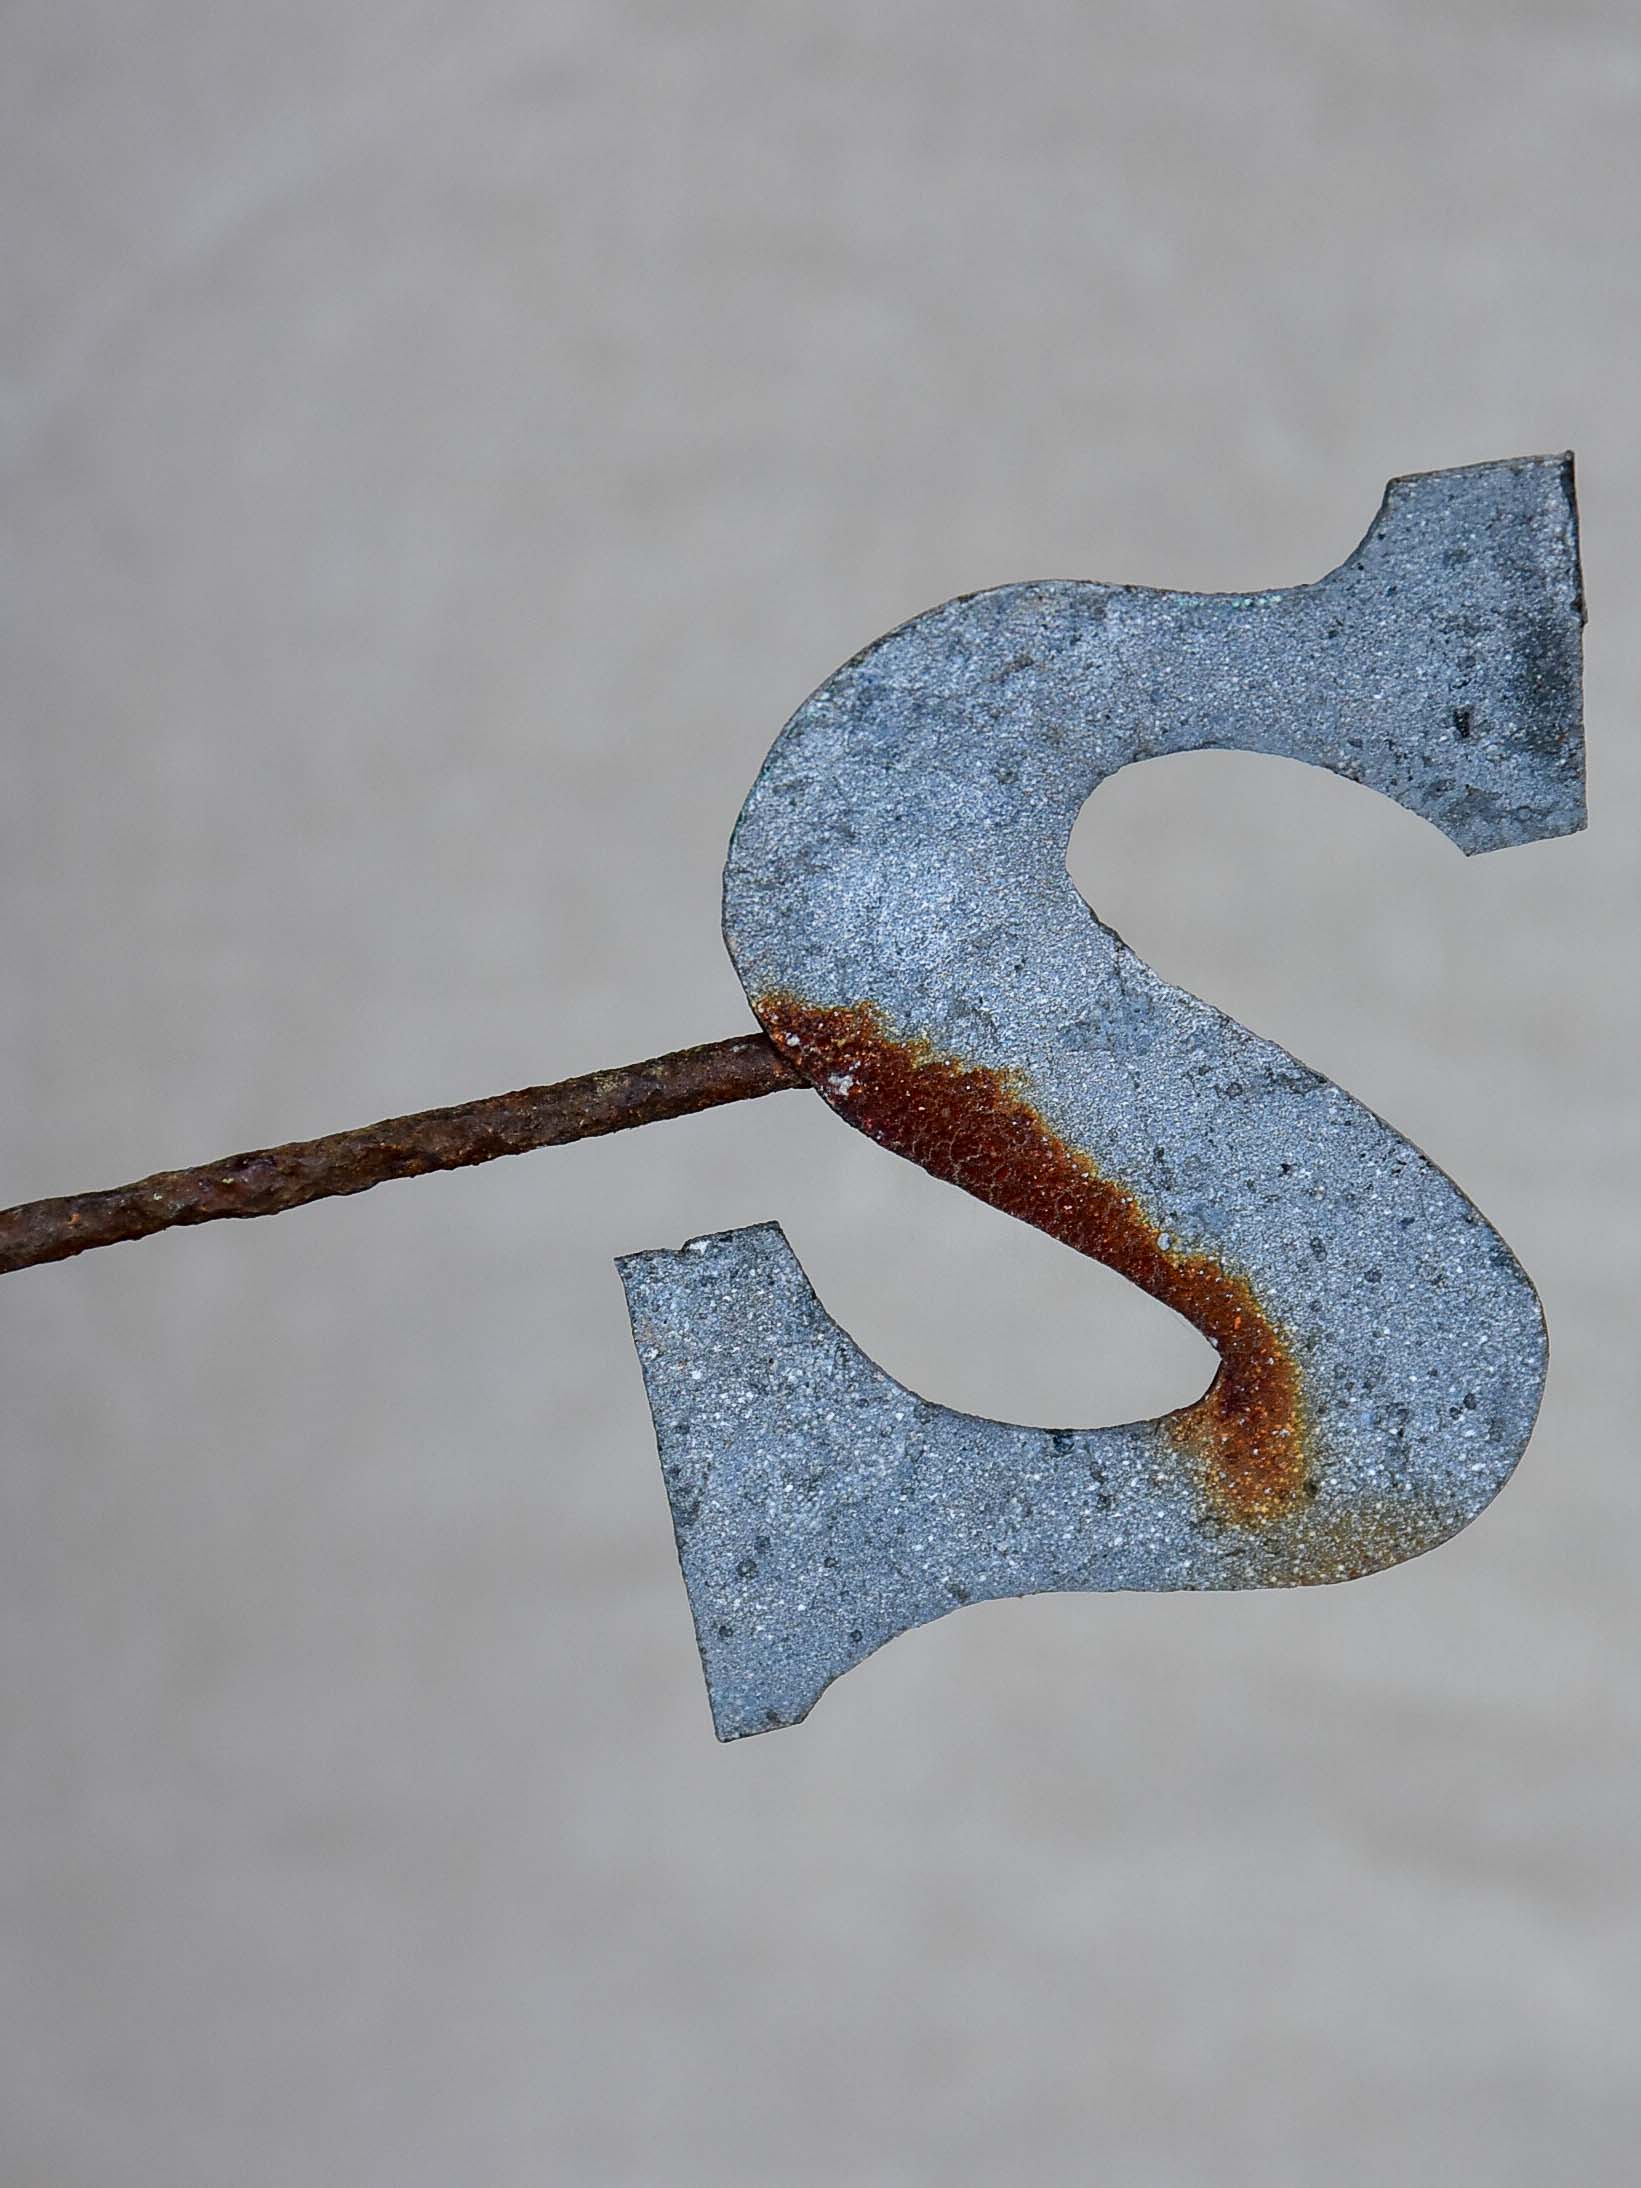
{"x": 445, "y": 442}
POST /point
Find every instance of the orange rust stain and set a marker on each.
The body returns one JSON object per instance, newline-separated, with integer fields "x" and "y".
{"x": 1347, "y": 1545}
{"x": 978, "y": 1129}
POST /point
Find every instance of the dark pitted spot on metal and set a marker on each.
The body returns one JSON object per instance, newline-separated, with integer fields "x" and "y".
{"x": 979, "y": 1129}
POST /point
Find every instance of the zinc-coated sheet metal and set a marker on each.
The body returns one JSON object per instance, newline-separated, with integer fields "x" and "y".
{"x": 897, "y": 904}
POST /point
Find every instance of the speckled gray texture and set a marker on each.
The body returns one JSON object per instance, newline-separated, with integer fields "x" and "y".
{"x": 904, "y": 846}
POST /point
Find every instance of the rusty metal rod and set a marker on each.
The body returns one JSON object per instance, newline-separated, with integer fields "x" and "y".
{"x": 271, "y": 1179}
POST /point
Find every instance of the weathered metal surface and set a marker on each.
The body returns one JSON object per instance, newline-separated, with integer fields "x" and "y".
{"x": 897, "y": 904}
{"x": 270, "y": 1180}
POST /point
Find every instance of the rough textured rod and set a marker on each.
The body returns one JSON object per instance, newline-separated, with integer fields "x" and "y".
{"x": 270, "y": 1180}
{"x": 897, "y": 904}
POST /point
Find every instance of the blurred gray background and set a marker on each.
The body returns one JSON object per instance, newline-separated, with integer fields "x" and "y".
{"x": 444, "y": 443}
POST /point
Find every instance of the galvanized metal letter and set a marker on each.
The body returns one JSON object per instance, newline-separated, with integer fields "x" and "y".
{"x": 897, "y": 904}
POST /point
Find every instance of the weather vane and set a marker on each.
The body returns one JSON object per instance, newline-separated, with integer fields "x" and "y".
{"x": 897, "y": 905}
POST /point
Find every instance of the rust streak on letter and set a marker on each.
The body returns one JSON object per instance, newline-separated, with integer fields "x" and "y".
{"x": 977, "y": 1128}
